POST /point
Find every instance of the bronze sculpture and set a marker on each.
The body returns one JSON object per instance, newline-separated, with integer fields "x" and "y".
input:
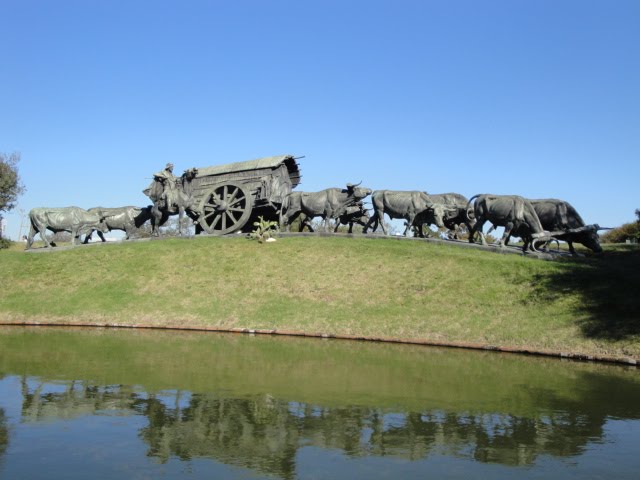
{"x": 224, "y": 199}
{"x": 74, "y": 220}
{"x": 329, "y": 204}
{"x": 512, "y": 212}
{"x": 564, "y": 222}
{"x": 417, "y": 208}
{"x": 171, "y": 196}
{"x": 128, "y": 219}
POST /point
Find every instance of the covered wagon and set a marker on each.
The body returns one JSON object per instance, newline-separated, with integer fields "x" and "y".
{"x": 228, "y": 198}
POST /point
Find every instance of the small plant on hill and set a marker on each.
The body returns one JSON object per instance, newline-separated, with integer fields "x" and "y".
{"x": 264, "y": 229}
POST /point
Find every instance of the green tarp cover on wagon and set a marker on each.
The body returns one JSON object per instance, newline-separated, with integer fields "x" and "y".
{"x": 257, "y": 164}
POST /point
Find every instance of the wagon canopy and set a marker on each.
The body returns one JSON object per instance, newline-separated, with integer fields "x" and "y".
{"x": 258, "y": 164}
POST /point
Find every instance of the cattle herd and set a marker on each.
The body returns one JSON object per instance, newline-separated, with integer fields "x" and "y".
{"x": 536, "y": 222}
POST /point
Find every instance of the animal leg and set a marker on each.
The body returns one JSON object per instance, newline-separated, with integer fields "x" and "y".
{"x": 408, "y": 224}
{"x": 477, "y": 228}
{"x": 505, "y": 236}
{"x": 372, "y": 220}
{"x": 288, "y": 218}
{"x": 75, "y": 236}
{"x": 156, "y": 221}
{"x": 43, "y": 236}
{"x": 327, "y": 222}
{"x": 456, "y": 231}
{"x": 32, "y": 233}
{"x": 305, "y": 221}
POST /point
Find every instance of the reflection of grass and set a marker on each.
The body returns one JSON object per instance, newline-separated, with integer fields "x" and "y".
{"x": 335, "y": 285}
{"x": 321, "y": 372}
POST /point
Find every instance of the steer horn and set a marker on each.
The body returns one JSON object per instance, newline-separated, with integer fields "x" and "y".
{"x": 594, "y": 228}
{"x": 598, "y": 227}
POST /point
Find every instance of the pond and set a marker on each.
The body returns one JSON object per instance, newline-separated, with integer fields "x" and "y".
{"x": 97, "y": 403}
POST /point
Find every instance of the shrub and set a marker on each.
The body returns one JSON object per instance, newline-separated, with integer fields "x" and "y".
{"x": 264, "y": 229}
{"x": 628, "y": 231}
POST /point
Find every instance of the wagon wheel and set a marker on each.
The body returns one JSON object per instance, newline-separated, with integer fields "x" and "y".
{"x": 225, "y": 208}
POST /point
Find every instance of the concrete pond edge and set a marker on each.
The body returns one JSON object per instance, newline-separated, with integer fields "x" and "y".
{"x": 630, "y": 361}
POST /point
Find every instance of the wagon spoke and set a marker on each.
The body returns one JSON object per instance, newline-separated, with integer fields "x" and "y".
{"x": 224, "y": 220}
{"x": 224, "y": 193}
{"x": 208, "y": 215}
{"x": 232, "y": 217}
{"x": 237, "y": 201}
{"x": 233, "y": 195}
{"x": 215, "y": 222}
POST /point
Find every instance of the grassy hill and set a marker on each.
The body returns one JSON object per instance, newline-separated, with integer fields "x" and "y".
{"x": 352, "y": 286}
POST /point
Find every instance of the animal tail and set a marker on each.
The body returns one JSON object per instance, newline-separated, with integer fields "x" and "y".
{"x": 519, "y": 207}
{"x": 283, "y": 208}
{"x": 466, "y": 210}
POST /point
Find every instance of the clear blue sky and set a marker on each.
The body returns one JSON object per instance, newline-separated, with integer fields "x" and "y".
{"x": 536, "y": 98}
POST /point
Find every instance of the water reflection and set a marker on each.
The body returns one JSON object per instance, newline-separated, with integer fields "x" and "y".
{"x": 264, "y": 433}
{"x": 534, "y": 407}
{"x": 4, "y": 433}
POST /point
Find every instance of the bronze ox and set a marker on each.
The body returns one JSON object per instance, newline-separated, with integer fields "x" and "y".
{"x": 329, "y": 204}
{"x": 417, "y": 208}
{"x": 74, "y": 220}
{"x": 514, "y": 213}
{"x": 565, "y": 223}
{"x": 356, "y": 214}
{"x": 127, "y": 219}
{"x": 454, "y": 212}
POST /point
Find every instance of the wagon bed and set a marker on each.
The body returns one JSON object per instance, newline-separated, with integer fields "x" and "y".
{"x": 227, "y": 197}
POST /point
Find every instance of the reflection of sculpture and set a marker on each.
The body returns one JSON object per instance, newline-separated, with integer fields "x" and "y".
{"x": 68, "y": 219}
{"x": 509, "y": 411}
{"x": 4, "y": 433}
{"x": 329, "y": 204}
{"x": 264, "y": 434}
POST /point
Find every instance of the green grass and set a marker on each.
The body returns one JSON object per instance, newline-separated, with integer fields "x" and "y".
{"x": 337, "y": 285}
